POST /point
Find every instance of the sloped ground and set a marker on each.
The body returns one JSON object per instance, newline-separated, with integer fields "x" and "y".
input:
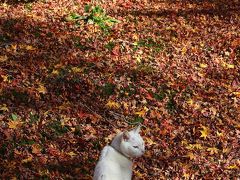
{"x": 67, "y": 87}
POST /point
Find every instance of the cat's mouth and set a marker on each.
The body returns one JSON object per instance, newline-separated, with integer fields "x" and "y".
{"x": 138, "y": 155}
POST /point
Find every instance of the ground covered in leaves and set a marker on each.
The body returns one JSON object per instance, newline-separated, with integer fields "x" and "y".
{"x": 74, "y": 74}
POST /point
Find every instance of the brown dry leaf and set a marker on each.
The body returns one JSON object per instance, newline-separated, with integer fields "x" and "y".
{"x": 3, "y": 58}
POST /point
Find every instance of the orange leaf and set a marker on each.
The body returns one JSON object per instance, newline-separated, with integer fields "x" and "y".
{"x": 36, "y": 149}
{"x": 14, "y": 124}
{"x": 29, "y": 159}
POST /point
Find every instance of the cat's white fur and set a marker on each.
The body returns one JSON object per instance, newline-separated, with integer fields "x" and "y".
{"x": 115, "y": 160}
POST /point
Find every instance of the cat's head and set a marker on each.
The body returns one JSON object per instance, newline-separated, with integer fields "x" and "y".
{"x": 132, "y": 144}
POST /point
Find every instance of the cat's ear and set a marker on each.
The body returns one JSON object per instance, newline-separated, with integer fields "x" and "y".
{"x": 137, "y": 128}
{"x": 125, "y": 136}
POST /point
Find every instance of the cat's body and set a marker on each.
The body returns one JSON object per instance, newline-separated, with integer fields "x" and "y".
{"x": 112, "y": 165}
{"x": 115, "y": 160}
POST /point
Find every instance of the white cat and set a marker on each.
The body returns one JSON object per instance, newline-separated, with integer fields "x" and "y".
{"x": 115, "y": 160}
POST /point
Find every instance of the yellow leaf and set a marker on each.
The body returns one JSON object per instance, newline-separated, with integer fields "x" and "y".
{"x": 14, "y": 124}
{"x": 77, "y": 70}
{"x": 204, "y": 132}
{"x": 149, "y": 141}
{"x": 184, "y": 50}
{"x": 3, "y": 58}
{"x": 138, "y": 174}
{"x": 190, "y": 155}
{"x": 203, "y": 65}
{"x": 190, "y": 102}
{"x": 232, "y": 167}
{"x": 230, "y": 66}
{"x": 4, "y": 108}
{"x": 55, "y": 72}
{"x": 72, "y": 154}
{"x": 237, "y": 94}
{"x": 138, "y": 58}
{"x": 186, "y": 175}
{"x": 212, "y": 150}
{"x": 197, "y": 146}
{"x": 27, "y": 160}
{"x": 5, "y": 78}
{"x": 42, "y": 89}
{"x": 142, "y": 112}
{"x": 112, "y": 104}
{"x": 219, "y": 134}
{"x": 30, "y": 48}
{"x": 184, "y": 142}
{"x": 194, "y": 146}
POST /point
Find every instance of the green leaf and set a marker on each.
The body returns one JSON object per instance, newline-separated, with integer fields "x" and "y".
{"x": 108, "y": 89}
{"x": 159, "y": 96}
{"x": 137, "y": 120}
{"x": 14, "y": 117}
{"x": 87, "y": 8}
{"x": 74, "y": 17}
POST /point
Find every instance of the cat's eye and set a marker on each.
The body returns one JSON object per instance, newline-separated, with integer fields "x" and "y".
{"x": 135, "y": 147}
